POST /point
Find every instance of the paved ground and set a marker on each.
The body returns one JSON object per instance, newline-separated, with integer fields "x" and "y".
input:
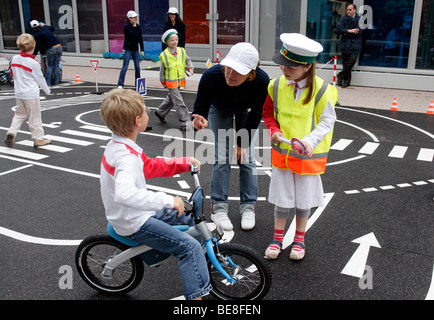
{"x": 379, "y": 186}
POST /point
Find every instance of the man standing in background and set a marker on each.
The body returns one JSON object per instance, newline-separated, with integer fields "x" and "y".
{"x": 350, "y": 43}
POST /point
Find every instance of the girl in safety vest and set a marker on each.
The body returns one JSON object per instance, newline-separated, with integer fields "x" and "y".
{"x": 299, "y": 105}
{"x": 173, "y": 64}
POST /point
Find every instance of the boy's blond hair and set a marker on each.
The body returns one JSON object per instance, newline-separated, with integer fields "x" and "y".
{"x": 26, "y": 42}
{"x": 119, "y": 110}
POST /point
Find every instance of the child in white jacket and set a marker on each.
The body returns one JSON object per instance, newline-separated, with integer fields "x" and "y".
{"x": 28, "y": 78}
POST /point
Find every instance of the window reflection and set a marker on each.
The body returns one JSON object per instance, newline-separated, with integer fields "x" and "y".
{"x": 425, "y": 50}
{"x": 387, "y": 43}
{"x": 90, "y": 26}
{"x": 10, "y": 22}
{"x": 231, "y": 24}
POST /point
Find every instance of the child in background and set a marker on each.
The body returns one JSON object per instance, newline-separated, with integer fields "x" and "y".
{"x": 28, "y": 78}
{"x": 131, "y": 208}
{"x": 299, "y": 105}
{"x": 173, "y": 64}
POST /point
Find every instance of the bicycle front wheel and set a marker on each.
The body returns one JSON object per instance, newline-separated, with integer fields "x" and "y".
{"x": 92, "y": 255}
{"x": 253, "y": 273}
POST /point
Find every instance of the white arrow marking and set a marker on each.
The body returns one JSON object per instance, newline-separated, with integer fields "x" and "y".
{"x": 356, "y": 266}
{"x": 52, "y": 125}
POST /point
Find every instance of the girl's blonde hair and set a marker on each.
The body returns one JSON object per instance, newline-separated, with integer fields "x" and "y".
{"x": 26, "y": 42}
{"x": 120, "y": 109}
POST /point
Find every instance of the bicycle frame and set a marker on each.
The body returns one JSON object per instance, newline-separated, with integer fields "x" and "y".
{"x": 199, "y": 229}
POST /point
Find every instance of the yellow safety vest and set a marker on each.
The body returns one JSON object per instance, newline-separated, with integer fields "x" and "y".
{"x": 174, "y": 74}
{"x": 298, "y": 120}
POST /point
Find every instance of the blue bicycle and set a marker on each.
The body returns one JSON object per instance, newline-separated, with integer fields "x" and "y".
{"x": 113, "y": 264}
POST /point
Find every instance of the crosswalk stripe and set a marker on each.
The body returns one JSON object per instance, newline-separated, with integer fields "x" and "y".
{"x": 85, "y": 134}
{"x": 23, "y": 154}
{"x": 341, "y": 144}
{"x": 50, "y": 147}
{"x": 398, "y": 152}
{"x": 369, "y": 148}
{"x": 96, "y": 128}
{"x": 68, "y": 140}
{"x": 425, "y": 154}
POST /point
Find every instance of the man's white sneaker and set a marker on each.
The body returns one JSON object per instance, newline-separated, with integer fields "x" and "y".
{"x": 221, "y": 218}
{"x": 247, "y": 221}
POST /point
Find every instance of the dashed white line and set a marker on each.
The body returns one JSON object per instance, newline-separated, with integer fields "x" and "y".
{"x": 390, "y": 187}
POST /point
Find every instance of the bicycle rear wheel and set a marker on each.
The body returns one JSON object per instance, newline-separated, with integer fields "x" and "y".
{"x": 92, "y": 255}
{"x": 253, "y": 279}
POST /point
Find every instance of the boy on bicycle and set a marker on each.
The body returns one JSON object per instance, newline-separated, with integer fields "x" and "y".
{"x": 133, "y": 210}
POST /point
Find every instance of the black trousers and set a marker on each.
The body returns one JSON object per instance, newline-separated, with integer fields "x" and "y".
{"x": 348, "y": 61}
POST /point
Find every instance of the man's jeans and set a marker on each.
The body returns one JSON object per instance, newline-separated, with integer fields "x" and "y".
{"x": 158, "y": 233}
{"x": 222, "y": 125}
{"x": 53, "y": 61}
{"x": 128, "y": 55}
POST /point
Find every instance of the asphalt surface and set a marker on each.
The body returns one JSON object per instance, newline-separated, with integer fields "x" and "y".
{"x": 379, "y": 186}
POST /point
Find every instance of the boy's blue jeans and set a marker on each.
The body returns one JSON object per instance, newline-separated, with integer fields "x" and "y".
{"x": 221, "y": 123}
{"x": 159, "y": 234}
{"x": 128, "y": 55}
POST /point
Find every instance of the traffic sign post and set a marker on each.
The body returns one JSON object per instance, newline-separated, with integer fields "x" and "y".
{"x": 141, "y": 86}
{"x": 94, "y": 64}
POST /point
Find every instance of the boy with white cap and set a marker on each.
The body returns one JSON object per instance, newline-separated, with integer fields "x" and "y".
{"x": 235, "y": 88}
{"x": 173, "y": 63}
{"x": 299, "y": 105}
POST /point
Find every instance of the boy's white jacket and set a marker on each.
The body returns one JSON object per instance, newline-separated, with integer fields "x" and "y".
{"x": 124, "y": 169}
{"x": 28, "y": 77}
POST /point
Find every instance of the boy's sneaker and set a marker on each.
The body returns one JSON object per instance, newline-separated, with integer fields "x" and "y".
{"x": 162, "y": 120}
{"x": 10, "y": 138}
{"x": 40, "y": 143}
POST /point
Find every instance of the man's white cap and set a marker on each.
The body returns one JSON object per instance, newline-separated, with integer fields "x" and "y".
{"x": 166, "y": 36}
{"x": 131, "y": 14}
{"x": 243, "y": 58}
{"x": 297, "y": 50}
{"x": 172, "y": 10}
{"x": 34, "y": 23}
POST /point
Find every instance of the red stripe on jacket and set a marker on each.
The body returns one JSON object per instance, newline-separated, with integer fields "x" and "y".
{"x": 16, "y": 65}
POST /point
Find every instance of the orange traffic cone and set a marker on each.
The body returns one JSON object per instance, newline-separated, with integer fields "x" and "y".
{"x": 394, "y": 105}
{"x": 431, "y": 108}
{"x": 77, "y": 78}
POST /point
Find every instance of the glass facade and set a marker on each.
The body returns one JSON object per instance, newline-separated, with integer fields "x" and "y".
{"x": 281, "y": 16}
{"x": 231, "y": 22}
{"x": 32, "y": 10}
{"x": 387, "y": 42}
{"x": 62, "y": 19}
{"x": 90, "y": 26}
{"x": 117, "y": 17}
{"x": 396, "y": 34}
{"x": 196, "y": 22}
{"x": 322, "y": 19}
{"x": 10, "y": 23}
{"x": 425, "y": 48}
